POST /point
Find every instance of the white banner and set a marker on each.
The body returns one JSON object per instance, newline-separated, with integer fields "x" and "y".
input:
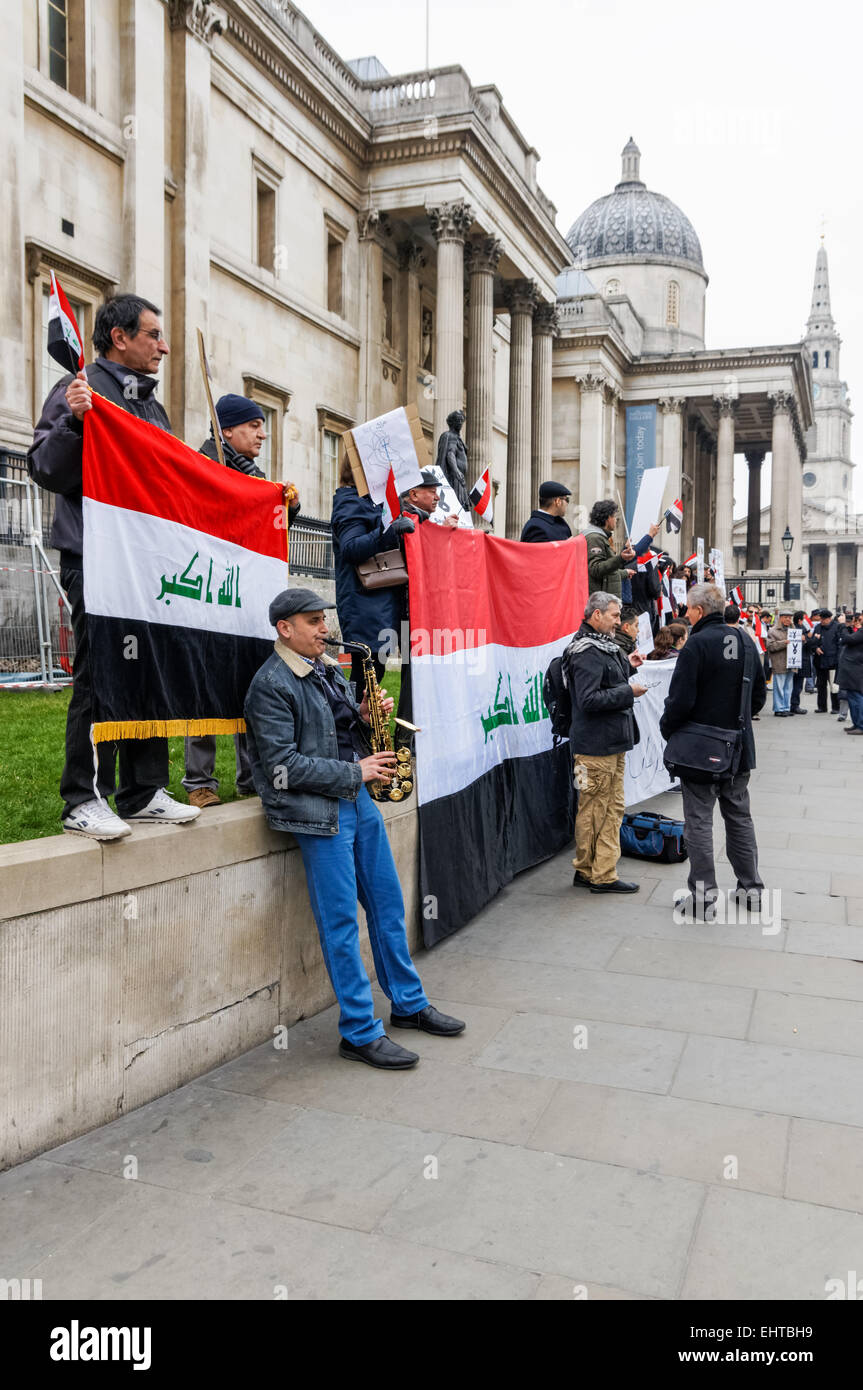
{"x": 795, "y": 649}
{"x": 644, "y": 772}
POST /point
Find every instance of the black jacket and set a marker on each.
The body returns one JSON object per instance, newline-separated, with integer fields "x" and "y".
{"x": 849, "y": 673}
{"x": 365, "y": 615}
{"x": 705, "y": 686}
{"x": 827, "y": 638}
{"x": 55, "y": 458}
{"x": 540, "y": 526}
{"x": 598, "y": 674}
{"x": 241, "y": 464}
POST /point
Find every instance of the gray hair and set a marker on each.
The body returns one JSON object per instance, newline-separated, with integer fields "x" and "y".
{"x": 708, "y": 597}
{"x": 600, "y": 602}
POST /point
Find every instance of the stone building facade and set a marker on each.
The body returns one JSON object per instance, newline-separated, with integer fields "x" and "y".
{"x": 347, "y": 241}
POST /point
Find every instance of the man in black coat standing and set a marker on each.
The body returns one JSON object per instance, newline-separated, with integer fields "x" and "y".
{"x": 824, "y": 646}
{"x": 706, "y": 688}
{"x": 546, "y": 523}
{"x": 602, "y": 731}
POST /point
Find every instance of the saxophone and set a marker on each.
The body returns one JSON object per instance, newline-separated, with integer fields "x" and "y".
{"x": 403, "y": 779}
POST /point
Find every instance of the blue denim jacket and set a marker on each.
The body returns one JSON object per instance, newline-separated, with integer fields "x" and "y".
{"x": 293, "y": 749}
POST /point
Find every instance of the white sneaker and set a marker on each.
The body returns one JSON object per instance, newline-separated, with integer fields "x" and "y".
{"x": 163, "y": 807}
{"x": 96, "y": 819}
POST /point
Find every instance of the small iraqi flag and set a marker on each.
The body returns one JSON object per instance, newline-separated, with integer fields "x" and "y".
{"x": 674, "y": 516}
{"x": 737, "y": 597}
{"x": 392, "y": 504}
{"x": 808, "y": 624}
{"x": 481, "y": 496}
{"x": 691, "y": 560}
{"x": 65, "y": 344}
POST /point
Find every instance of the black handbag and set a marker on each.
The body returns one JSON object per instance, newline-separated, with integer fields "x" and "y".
{"x": 704, "y": 753}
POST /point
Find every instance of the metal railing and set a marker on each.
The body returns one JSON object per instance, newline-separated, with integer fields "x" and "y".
{"x": 35, "y": 618}
{"x": 311, "y": 547}
{"x": 13, "y": 510}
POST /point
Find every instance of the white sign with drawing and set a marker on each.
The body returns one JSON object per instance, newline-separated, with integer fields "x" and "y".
{"x": 448, "y": 503}
{"x": 795, "y": 649}
{"x": 385, "y": 443}
{"x": 644, "y": 643}
{"x": 678, "y": 591}
{"x": 644, "y": 773}
{"x": 717, "y": 564}
{"x": 648, "y": 505}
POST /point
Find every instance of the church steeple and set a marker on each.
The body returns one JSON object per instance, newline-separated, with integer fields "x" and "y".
{"x": 820, "y": 318}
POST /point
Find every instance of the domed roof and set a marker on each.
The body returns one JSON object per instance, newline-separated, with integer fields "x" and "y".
{"x": 632, "y": 221}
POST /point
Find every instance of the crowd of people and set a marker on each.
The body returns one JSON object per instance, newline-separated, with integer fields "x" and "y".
{"x": 307, "y": 750}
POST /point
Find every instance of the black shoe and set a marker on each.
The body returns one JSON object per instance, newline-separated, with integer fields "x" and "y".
{"x": 693, "y": 911}
{"x": 618, "y": 886}
{"x": 800, "y": 711}
{"x": 780, "y": 714}
{"x": 579, "y": 880}
{"x": 429, "y": 1020}
{"x": 380, "y": 1053}
{"x": 821, "y": 711}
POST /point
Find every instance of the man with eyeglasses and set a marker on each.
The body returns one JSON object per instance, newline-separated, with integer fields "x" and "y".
{"x": 127, "y": 335}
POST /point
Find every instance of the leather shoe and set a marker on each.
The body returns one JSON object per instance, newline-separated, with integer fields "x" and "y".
{"x": 383, "y": 1052}
{"x": 854, "y": 730}
{"x": 618, "y": 886}
{"x": 429, "y": 1020}
{"x": 579, "y": 880}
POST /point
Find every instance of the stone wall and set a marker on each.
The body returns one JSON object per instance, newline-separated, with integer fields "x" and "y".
{"x": 128, "y": 969}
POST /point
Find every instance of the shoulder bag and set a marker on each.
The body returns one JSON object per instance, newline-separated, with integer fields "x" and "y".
{"x": 703, "y": 752}
{"x": 386, "y": 570}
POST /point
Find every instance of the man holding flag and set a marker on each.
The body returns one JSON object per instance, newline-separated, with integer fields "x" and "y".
{"x": 127, "y": 335}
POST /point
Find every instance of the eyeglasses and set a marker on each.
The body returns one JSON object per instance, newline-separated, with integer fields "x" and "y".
{"x": 154, "y": 333}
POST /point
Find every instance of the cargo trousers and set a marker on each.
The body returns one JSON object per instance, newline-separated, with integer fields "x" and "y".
{"x": 599, "y": 781}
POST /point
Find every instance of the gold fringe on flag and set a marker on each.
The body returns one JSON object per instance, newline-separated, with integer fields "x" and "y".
{"x": 165, "y": 728}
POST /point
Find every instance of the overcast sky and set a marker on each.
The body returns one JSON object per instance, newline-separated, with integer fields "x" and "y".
{"x": 747, "y": 114}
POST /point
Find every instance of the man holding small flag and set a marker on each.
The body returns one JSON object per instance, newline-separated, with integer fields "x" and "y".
{"x": 128, "y": 338}
{"x": 481, "y": 498}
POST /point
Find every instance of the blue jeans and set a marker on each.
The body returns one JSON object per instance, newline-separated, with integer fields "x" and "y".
{"x": 358, "y": 863}
{"x": 855, "y": 705}
{"x": 782, "y": 682}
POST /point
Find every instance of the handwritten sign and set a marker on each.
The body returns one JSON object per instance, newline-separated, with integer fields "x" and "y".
{"x": 644, "y": 773}
{"x": 678, "y": 591}
{"x": 644, "y": 643}
{"x": 795, "y": 649}
{"x": 385, "y": 443}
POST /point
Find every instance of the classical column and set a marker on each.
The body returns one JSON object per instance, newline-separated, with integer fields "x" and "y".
{"x": 544, "y": 329}
{"x": 781, "y": 450}
{"x": 754, "y": 460}
{"x": 590, "y": 480}
{"x": 830, "y": 598}
{"x": 703, "y": 486}
{"x": 193, "y": 29}
{"x": 858, "y": 591}
{"x": 723, "y": 528}
{"x": 411, "y": 261}
{"x": 16, "y": 427}
{"x": 142, "y": 73}
{"x": 672, "y": 459}
{"x": 796, "y": 459}
{"x": 481, "y": 259}
{"x": 520, "y": 297}
{"x": 450, "y": 223}
{"x": 373, "y": 229}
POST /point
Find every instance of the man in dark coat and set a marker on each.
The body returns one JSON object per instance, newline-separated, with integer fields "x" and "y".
{"x": 242, "y": 425}
{"x": 546, "y": 523}
{"x": 127, "y": 335}
{"x": 706, "y": 688}
{"x": 603, "y": 730}
{"x": 371, "y": 616}
{"x": 824, "y": 646}
{"x": 849, "y": 672}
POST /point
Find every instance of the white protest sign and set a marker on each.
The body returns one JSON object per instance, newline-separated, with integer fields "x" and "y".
{"x": 795, "y": 649}
{"x": 644, "y": 644}
{"x": 447, "y": 503}
{"x": 699, "y": 560}
{"x": 383, "y": 443}
{"x": 648, "y": 505}
{"x": 678, "y": 590}
{"x": 717, "y": 564}
{"x": 644, "y": 773}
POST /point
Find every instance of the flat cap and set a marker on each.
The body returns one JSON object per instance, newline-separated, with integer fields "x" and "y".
{"x": 291, "y": 601}
{"x": 429, "y": 479}
{"x": 549, "y": 490}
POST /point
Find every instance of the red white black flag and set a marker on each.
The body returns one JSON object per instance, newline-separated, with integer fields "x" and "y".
{"x": 674, "y": 516}
{"x": 737, "y": 597}
{"x": 481, "y": 496}
{"x": 691, "y": 559}
{"x": 392, "y": 506}
{"x": 65, "y": 343}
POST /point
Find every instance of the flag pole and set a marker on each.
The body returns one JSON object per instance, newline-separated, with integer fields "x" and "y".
{"x": 205, "y": 373}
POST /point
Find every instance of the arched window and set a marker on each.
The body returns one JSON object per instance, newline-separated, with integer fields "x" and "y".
{"x": 672, "y": 305}
{"x": 815, "y": 359}
{"x": 827, "y": 359}
{"x": 612, "y": 287}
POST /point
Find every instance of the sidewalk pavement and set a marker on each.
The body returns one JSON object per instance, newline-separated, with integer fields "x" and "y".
{"x": 637, "y": 1110}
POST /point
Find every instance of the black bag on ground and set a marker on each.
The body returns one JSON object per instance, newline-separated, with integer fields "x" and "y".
{"x": 646, "y": 835}
{"x": 703, "y": 752}
{"x": 557, "y": 697}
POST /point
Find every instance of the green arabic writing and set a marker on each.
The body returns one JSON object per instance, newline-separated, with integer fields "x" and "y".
{"x": 189, "y": 586}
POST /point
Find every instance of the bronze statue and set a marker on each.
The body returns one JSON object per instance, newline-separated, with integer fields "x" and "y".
{"x": 452, "y": 458}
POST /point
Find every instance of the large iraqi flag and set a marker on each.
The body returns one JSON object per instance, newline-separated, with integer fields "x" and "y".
{"x": 181, "y": 560}
{"x": 494, "y": 792}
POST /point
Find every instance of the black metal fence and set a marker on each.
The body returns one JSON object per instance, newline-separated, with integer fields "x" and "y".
{"x": 311, "y": 547}
{"x": 13, "y": 511}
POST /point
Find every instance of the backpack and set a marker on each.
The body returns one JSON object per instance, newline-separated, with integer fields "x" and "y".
{"x": 646, "y": 835}
{"x": 557, "y": 697}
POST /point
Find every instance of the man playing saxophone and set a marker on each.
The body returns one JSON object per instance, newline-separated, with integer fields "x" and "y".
{"x": 308, "y": 745}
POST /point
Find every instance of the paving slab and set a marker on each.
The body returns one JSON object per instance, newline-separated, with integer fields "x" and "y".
{"x": 607, "y": 1054}
{"x": 825, "y": 1164}
{"x": 785, "y": 1080}
{"x": 800, "y": 1020}
{"x": 43, "y": 1204}
{"x": 729, "y": 965}
{"x": 751, "y": 1246}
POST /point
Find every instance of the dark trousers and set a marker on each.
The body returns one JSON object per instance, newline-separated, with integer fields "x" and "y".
{"x": 796, "y": 690}
{"x": 143, "y": 763}
{"x": 201, "y": 764}
{"x": 403, "y": 737}
{"x": 699, "y": 800}
{"x": 822, "y": 677}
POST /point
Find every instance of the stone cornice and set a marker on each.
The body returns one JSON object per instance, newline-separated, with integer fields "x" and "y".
{"x": 249, "y": 276}
{"x": 37, "y": 254}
